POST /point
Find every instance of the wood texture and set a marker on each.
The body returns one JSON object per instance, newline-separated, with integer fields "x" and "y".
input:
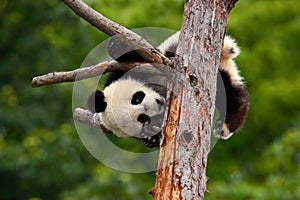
{"x": 93, "y": 71}
{"x": 89, "y": 118}
{"x": 181, "y": 170}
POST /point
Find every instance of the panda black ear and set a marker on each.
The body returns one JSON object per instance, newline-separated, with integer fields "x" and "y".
{"x": 96, "y": 102}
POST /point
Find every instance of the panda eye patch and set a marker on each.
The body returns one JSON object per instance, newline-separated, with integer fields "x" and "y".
{"x": 137, "y": 98}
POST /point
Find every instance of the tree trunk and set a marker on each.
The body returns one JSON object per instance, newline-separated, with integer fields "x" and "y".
{"x": 181, "y": 168}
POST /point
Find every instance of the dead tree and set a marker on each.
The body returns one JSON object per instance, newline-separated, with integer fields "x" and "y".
{"x": 181, "y": 169}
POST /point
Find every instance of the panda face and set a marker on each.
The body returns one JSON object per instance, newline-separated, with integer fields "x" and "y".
{"x": 130, "y": 106}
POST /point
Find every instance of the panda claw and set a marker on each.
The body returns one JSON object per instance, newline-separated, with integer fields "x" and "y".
{"x": 151, "y": 142}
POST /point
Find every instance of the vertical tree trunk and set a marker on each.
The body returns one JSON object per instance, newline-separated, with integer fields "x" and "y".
{"x": 181, "y": 169}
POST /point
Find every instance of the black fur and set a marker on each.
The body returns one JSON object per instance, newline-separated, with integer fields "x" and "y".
{"x": 138, "y": 98}
{"x": 122, "y": 52}
{"x": 151, "y": 142}
{"x": 142, "y": 118}
{"x": 113, "y": 76}
{"x": 96, "y": 102}
{"x": 237, "y": 102}
{"x": 235, "y": 94}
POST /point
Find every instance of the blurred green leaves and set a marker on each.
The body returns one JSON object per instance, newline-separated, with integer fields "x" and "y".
{"x": 261, "y": 162}
{"x": 275, "y": 174}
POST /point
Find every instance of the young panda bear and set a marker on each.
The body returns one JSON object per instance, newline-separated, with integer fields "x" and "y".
{"x": 129, "y": 106}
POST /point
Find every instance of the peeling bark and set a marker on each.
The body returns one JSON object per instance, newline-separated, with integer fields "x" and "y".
{"x": 181, "y": 170}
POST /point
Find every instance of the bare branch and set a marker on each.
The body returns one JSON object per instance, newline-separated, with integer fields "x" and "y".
{"x": 144, "y": 48}
{"x": 92, "y": 71}
{"x": 89, "y": 118}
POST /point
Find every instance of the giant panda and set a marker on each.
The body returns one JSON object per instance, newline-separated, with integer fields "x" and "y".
{"x": 130, "y": 106}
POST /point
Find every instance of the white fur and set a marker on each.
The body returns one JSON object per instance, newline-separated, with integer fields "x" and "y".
{"x": 171, "y": 41}
{"x": 226, "y": 132}
{"x": 229, "y": 51}
{"x": 120, "y": 116}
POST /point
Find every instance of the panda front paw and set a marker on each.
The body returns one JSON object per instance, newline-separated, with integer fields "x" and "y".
{"x": 222, "y": 131}
{"x": 151, "y": 142}
{"x": 151, "y": 131}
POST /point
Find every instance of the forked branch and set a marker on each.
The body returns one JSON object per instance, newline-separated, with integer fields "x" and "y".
{"x": 144, "y": 48}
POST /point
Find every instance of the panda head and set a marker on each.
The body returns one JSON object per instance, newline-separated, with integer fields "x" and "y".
{"x": 126, "y": 106}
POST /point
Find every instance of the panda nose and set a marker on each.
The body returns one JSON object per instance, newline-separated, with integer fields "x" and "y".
{"x": 142, "y": 118}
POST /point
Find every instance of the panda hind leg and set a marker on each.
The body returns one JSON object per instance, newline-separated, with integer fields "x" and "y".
{"x": 235, "y": 91}
{"x": 237, "y": 105}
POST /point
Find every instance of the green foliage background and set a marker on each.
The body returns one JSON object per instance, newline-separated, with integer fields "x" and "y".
{"x": 41, "y": 155}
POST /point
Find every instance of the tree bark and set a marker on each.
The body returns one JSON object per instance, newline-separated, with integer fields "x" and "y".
{"x": 91, "y": 71}
{"x": 181, "y": 168}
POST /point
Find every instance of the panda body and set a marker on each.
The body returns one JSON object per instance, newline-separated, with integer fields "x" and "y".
{"x": 131, "y": 107}
{"x": 236, "y": 95}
